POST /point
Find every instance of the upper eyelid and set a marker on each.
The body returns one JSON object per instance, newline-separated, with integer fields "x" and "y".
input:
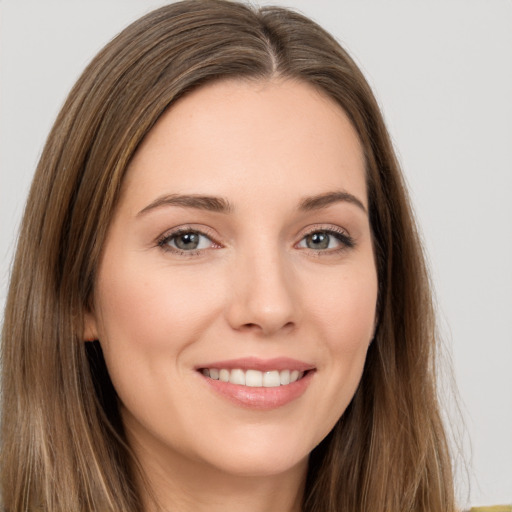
{"x": 323, "y": 227}
{"x": 186, "y": 228}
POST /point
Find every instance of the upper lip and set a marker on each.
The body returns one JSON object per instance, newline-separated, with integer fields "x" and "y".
{"x": 263, "y": 365}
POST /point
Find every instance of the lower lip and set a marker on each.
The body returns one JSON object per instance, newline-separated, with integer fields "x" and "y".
{"x": 261, "y": 398}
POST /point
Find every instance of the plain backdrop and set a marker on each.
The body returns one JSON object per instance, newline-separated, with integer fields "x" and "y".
{"x": 442, "y": 72}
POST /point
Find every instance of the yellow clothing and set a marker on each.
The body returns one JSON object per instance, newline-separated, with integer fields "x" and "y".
{"x": 496, "y": 508}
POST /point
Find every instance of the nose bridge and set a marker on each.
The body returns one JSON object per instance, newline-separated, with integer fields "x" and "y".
{"x": 262, "y": 296}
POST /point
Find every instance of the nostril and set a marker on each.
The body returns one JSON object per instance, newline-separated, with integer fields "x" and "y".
{"x": 266, "y": 328}
{"x": 249, "y": 327}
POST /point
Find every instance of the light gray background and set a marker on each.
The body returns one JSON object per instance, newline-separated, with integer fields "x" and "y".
{"x": 442, "y": 72}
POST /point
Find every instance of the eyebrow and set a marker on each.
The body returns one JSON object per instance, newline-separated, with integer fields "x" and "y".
{"x": 327, "y": 199}
{"x": 209, "y": 203}
{"x": 222, "y": 205}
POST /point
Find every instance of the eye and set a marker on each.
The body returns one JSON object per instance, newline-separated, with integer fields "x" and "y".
{"x": 326, "y": 239}
{"x": 186, "y": 240}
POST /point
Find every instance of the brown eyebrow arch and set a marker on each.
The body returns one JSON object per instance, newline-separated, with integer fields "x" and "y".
{"x": 324, "y": 200}
{"x": 209, "y": 203}
{"x": 222, "y": 205}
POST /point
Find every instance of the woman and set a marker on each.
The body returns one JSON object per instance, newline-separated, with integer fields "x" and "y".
{"x": 219, "y": 299}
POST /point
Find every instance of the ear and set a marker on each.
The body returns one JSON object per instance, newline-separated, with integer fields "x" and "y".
{"x": 90, "y": 327}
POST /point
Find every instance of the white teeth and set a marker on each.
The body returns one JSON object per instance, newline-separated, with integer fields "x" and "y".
{"x": 237, "y": 377}
{"x": 254, "y": 378}
{"x": 271, "y": 379}
{"x": 284, "y": 377}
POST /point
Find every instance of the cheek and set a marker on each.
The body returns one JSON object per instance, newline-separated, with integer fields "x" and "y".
{"x": 344, "y": 305}
{"x": 155, "y": 309}
{"x": 343, "y": 310}
{"x": 147, "y": 322}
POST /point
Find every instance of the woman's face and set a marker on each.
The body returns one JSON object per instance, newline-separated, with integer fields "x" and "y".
{"x": 240, "y": 252}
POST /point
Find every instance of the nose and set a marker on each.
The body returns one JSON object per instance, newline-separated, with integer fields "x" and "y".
{"x": 263, "y": 296}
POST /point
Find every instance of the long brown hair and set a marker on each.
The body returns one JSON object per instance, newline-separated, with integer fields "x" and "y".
{"x": 63, "y": 447}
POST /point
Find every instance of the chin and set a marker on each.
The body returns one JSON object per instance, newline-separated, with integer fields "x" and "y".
{"x": 258, "y": 466}
{"x": 261, "y": 454}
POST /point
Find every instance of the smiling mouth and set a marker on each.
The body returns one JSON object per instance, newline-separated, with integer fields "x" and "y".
{"x": 254, "y": 378}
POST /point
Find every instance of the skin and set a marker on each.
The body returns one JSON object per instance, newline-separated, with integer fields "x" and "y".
{"x": 255, "y": 287}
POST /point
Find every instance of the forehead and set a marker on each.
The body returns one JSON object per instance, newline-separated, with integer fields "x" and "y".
{"x": 249, "y": 139}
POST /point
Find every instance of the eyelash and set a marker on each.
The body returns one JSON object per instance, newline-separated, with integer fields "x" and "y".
{"x": 341, "y": 235}
{"x": 167, "y": 237}
{"x": 347, "y": 242}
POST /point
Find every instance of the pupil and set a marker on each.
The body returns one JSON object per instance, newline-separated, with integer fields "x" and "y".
{"x": 318, "y": 241}
{"x": 188, "y": 241}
